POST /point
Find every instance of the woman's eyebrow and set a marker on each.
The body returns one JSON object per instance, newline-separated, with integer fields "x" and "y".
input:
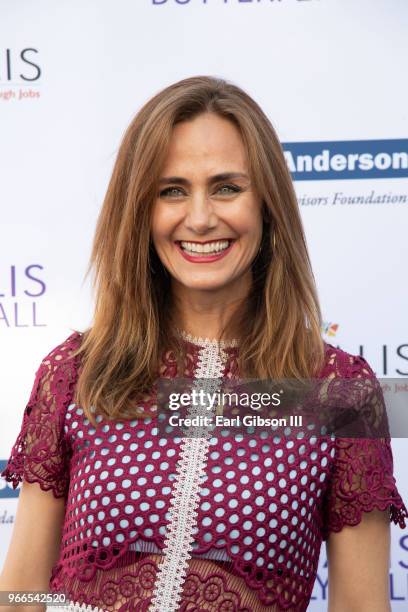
{"x": 224, "y": 176}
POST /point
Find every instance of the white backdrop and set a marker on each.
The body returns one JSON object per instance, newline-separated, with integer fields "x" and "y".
{"x": 73, "y": 74}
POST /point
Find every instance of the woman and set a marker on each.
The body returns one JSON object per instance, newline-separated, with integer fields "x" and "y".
{"x": 202, "y": 272}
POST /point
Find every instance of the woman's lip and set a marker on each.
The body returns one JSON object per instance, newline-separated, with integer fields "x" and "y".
{"x": 207, "y": 241}
{"x": 205, "y": 258}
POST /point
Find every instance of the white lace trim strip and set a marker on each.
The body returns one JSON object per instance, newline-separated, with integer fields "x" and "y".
{"x": 73, "y": 606}
{"x": 207, "y": 341}
{"x": 186, "y": 492}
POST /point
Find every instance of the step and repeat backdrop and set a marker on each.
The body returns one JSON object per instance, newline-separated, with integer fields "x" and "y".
{"x": 330, "y": 74}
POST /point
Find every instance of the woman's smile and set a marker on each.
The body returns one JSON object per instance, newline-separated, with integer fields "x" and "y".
{"x": 205, "y": 252}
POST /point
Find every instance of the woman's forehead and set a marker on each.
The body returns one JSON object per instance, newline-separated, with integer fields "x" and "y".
{"x": 209, "y": 141}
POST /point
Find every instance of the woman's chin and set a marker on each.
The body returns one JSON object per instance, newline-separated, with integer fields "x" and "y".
{"x": 204, "y": 284}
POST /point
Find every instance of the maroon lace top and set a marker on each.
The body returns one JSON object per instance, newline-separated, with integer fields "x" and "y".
{"x": 164, "y": 523}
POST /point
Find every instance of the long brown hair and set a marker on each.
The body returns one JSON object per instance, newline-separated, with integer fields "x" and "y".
{"x": 280, "y": 322}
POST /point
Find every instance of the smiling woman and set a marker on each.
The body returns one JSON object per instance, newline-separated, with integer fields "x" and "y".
{"x": 201, "y": 273}
{"x": 208, "y": 211}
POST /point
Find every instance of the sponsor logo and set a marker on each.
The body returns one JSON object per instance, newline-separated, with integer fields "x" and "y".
{"x": 6, "y": 488}
{"x": 341, "y": 198}
{"x": 18, "y": 69}
{"x": 22, "y": 291}
{"x": 329, "y": 329}
{"x": 386, "y": 360}
{"x": 353, "y": 159}
{"x": 397, "y": 575}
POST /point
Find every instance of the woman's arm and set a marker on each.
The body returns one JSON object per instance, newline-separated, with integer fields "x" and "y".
{"x": 35, "y": 543}
{"x": 40, "y": 461}
{"x": 358, "y": 562}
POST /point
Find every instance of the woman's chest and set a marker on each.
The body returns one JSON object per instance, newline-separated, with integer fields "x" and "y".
{"x": 259, "y": 496}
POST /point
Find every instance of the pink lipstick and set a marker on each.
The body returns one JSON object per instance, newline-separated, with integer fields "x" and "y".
{"x": 201, "y": 257}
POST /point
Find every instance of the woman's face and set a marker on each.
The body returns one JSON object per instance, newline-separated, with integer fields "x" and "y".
{"x": 207, "y": 221}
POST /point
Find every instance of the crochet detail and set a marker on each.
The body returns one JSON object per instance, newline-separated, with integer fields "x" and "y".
{"x": 362, "y": 471}
{"x": 207, "y": 342}
{"x": 185, "y": 498}
{"x": 41, "y": 452}
{"x": 73, "y": 607}
{"x": 259, "y": 505}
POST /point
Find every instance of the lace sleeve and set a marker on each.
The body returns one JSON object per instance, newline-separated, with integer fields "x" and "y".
{"x": 41, "y": 452}
{"x": 362, "y": 475}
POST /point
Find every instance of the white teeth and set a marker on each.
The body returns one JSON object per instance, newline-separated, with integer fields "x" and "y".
{"x": 208, "y": 247}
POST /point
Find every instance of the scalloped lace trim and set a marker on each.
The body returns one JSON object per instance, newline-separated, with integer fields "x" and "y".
{"x": 205, "y": 342}
{"x": 74, "y": 606}
{"x": 185, "y": 499}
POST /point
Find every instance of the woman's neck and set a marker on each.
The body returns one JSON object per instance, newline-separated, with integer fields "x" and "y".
{"x": 205, "y": 314}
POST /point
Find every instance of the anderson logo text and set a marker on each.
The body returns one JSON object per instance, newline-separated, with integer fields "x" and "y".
{"x": 352, "y": 159}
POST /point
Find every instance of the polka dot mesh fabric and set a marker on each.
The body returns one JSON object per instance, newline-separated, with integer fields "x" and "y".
{"x": 263, "y": 504}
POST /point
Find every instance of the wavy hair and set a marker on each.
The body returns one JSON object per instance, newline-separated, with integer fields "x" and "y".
{"x": 280, "y": 322}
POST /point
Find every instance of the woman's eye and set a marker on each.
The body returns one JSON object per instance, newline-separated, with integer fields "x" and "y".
{"x": 227, "y": 189}
{"x": 174, "y": 192}
{"x": 170, "y": 191}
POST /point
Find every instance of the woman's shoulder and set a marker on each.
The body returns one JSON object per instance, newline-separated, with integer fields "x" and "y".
{"x": 70, "y": 344}
{"x": 65, "y": 350}
{"x": 60, "y": 365}
{"x": 40, "y": 451}
{"x": 344, "y": 364}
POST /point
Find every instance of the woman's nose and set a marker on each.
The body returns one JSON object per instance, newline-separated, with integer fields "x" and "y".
{"x": 200, "y": 215}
